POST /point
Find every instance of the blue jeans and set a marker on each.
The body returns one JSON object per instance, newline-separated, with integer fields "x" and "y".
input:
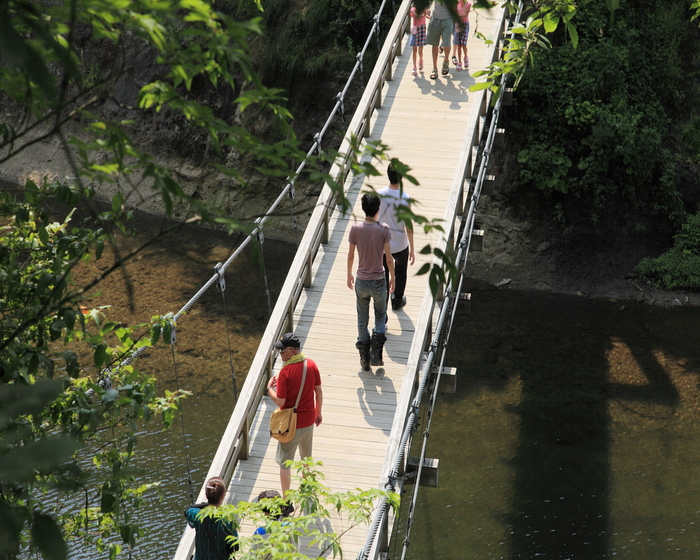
{"x": 364, "y": 291}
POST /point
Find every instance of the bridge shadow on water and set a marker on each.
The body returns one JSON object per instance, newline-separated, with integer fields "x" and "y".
{"x": 572, "y": 435}
{"x": 562, "y": 477}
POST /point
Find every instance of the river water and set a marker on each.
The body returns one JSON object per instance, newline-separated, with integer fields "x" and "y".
{"x": 574, "y": 432}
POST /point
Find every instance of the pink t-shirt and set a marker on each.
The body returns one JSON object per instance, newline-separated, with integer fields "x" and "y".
{"x": 418, "y": 20}
{"x": 463, "y": 9}
{"x": 369, "y": 238}
{"x": 288, "y": 384}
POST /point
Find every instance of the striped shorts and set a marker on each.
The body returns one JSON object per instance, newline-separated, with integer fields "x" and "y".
{"x": 418, "y": 40}
{"x": 460, "y": 37}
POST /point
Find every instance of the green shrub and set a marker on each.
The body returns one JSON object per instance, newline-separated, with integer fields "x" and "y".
{"x": 679, "y": 267}
{"x": 600, "y": 125}
{"x": 310, "y": 39}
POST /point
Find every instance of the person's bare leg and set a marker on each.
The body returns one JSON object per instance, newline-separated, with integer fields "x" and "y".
{"x": 285, "y": 480}
{"x": 435, "y": 56}
{"x": 415, "y": 54}
{"x": 447, "y": 55}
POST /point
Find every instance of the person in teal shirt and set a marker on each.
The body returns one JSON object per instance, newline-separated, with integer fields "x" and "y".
{"x": 210, "y": 532}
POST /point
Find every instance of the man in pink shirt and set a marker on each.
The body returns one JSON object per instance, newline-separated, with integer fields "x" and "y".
{"x": 372, "y": 241}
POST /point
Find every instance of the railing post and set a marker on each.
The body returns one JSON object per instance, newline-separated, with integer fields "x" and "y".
{"x": 290, "y": 318}
{"x": 384, "y": 536}
{"x": 309, "y": 264}
{"x": 244, "y": 442}
{"x": 325, "y": 233}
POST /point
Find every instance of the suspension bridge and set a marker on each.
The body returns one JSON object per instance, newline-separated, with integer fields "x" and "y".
{"x": 434, "y": 126}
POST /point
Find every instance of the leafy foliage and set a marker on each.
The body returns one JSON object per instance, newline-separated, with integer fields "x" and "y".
{"x": 72, "y": 403}
{"x": 305, "y": 41}
{"x": 314, "y": 503}
{"x": 597, "y": 122}
{"x": 66, "y": 430}
{"x": 679, "y": 267}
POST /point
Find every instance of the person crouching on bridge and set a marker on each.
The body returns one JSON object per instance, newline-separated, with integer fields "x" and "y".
{"x": 283, "y": 389}
{"x": 211, "y": 533}
{"x": 373, "y": 242}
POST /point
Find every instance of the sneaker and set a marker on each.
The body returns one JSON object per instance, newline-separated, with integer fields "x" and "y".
{"x": 398, "y": 306}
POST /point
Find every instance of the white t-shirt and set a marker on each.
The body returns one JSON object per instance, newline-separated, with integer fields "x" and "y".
{"x": 391, "y": 199}
{"x": 440, "y": 11}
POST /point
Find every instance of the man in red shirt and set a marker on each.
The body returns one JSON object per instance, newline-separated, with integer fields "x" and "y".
{"x": 283, "y": 389}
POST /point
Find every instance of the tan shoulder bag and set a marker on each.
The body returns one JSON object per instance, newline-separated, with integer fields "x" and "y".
{"x": 283, "y": 421}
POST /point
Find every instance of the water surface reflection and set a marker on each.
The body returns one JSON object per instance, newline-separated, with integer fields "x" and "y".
{"x": 577, "y": 434}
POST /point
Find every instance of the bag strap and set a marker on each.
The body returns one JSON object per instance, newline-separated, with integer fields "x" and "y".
{"x": 301, "y": 388}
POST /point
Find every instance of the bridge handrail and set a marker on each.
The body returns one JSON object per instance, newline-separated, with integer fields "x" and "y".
{"x": 235, "y": 441}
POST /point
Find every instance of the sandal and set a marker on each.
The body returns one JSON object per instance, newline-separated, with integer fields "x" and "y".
{"x": 420, "y": 64}
{"x": 466, "y": 62}
{"x": 459, "y": 66}
{"x": 454, "y": 60}
{"x": 414, "y": 72}
{"x": 445, "y": 68}
{"x": 441, "y": 49}
{"x": 433, "y": 74}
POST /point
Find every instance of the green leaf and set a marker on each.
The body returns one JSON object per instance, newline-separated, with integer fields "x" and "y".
{"x": 100, "y": 356}
{"x": 19, "y": 464}
{"x": 72, "y": 366}
{"x": 16, "y": 50}
{"x": 48, "y": 537}
{"x": 117, "y": 202}
{"x": 18, "y": 400}
{"x": 155, "y": 334}
{"x": 573, "y": 34}
{"x": 551, "y": 21}
{"x": 110, "y": 395}
{"x": 167, "y": 332}
{"x": 479, "y": 86}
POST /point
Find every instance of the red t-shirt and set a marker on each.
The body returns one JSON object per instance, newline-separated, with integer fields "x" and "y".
{"x": 288, "y": 384}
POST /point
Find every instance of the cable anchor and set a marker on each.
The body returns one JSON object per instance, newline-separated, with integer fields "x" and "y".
{"x": 220, "y": 273}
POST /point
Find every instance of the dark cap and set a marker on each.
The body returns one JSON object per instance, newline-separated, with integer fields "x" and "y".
{"x": 289, "y": 339}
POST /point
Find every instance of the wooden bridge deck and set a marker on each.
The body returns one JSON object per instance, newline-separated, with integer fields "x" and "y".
{"x": 425, "y": 123}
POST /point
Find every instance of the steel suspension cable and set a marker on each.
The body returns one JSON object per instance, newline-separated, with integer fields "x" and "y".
{"x": 190, "y": 482}
{"x": 222, "y": 289}
{"x": 261, "y": 240}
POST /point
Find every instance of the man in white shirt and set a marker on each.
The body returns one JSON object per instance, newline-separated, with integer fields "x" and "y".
{"x": 401, "y": 242}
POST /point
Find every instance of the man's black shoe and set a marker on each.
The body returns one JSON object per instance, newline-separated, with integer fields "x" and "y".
{"x": 396, "y": 306}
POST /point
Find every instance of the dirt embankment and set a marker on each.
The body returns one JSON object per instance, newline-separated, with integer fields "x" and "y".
{"x": 523, "y": 249}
